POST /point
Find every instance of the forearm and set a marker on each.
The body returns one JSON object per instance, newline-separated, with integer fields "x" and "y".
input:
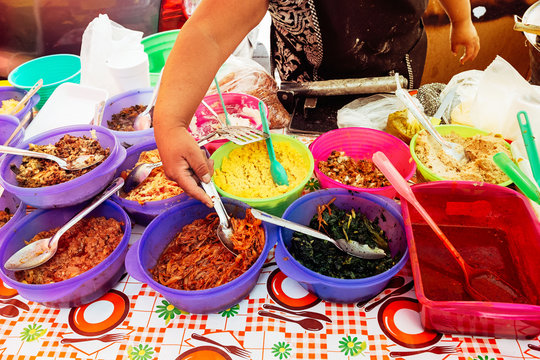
{"x": 458, "y": 11}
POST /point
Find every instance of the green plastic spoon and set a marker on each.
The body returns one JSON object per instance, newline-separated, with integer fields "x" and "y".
{"x": 530, "y": 146}
{"x": 518, "y": 177}
{"x": 279, "y": 175}
{"x": 222, "y": 102}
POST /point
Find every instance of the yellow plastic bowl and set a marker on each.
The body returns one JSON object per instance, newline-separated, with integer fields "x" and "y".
{"x": 275, "y": 205}
{"x": 461, "y": 130}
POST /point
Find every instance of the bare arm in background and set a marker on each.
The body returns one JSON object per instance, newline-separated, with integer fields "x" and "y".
{"x": 462, "y": 31}
{"x": 203, "y": 44}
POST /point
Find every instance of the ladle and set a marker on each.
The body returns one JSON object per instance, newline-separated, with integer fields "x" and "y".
{"x": 352, "y": 248}
{"x": 477, "y": 281}
{"x": 451, "y": 149}
{"x": 41, "y": 251}
{"x": 79, "y": 163}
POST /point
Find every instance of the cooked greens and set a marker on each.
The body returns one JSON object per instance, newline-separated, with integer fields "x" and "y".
{"x": 325, "y": 258}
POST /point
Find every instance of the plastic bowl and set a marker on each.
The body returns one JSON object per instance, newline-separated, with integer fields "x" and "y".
{"x": 360, "y": 144}
{"x": 144, "y": 254}
{"x": 475, "y": 206}
{"x": 80, "y": 289}
{"x": 158, "y": 47}
{"x": 275, "y": 205}
{"x": 74, "y": 191}
{"x": 234, "y": 102}
{"x": 8, "y": 92}
{"x": 343, "y": 290}
{"x": 461, "y": 130}
{"x": 8, "y": 123}
{"x": 124, "y": 100}
{"x": 143, "y": 214}
{"x": 15, "y": 206}
{"x": 53, "y": 69}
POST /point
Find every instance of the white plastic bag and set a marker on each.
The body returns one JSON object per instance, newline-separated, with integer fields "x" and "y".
{"x": 370, "y": 112}
{"x": 112, "y": 57}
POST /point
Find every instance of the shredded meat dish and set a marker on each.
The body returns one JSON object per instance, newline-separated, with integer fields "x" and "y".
{"x": 81, "y": 248}
{"x": 123, "y": 121}
{"x": 5, "y": 216}
{"x": 344, "y": 169}
{"x": 156, "y": 186}
{"x": 34, "y": 172}
{"x": 196, "y": 260}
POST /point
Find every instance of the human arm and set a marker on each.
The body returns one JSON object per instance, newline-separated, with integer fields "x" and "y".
{"x": 203, "y": 44}
{"x": 462, "y": 30}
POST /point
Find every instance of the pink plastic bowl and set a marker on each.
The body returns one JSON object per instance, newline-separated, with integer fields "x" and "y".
{"x": 360, "y": 144}
{"x": 234, "y": 102}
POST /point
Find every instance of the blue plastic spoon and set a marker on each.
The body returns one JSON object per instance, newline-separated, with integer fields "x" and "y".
{"x": 276, "y": 169}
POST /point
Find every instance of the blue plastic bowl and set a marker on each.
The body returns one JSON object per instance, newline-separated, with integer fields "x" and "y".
{"x": 8, "y": 123}
{"x": 123, "y": 100}
{"x": 143, "y": 214}
{"x": 71, "y": 192}
{"x": 343, "y": 290}
{"x": 81, "y": 289}
{"x": 9, "y": 92}
{"x": 143, "y": 255}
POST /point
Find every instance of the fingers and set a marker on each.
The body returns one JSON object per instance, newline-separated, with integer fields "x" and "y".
{"x": 471, "y": 51}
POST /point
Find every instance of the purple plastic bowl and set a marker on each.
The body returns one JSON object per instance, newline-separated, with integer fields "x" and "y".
{"x": 343, "y": 290}
{"x": 144, "y": 254}
{"x": 81, "y": 289}
{"x": 8, "y": 123}
{"x": 15, "y": 206}
{"x": 143, "y": 214}
{"x": 74, "y": 191}
{"x": 9, "y": 92}
{"x": 123, "y": 100}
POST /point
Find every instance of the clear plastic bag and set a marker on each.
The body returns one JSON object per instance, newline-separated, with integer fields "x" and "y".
{"x": 244, "y": 75}
{"x": 370, "y": 112}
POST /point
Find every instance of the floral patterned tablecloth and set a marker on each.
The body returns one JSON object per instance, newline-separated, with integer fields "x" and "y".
{"x": 278, "y": 320}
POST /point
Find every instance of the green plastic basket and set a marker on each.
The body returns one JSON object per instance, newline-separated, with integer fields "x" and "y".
{"x": 461, "y": 130}
{"x": 158, "y": 47}
{"x": 275, "y": 205}
{"x": 53, "y": 69}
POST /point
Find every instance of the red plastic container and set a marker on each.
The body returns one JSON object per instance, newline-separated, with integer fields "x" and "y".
{"x": 491, "y": 226}
{"x": 360, "y": 144}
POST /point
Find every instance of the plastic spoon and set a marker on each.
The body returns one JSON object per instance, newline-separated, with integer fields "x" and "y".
{"x": 352, "y": 248}
{"x": 530, "y": 145}
{"x": 518, "y": 177}
{"x": 39, "y": 252}
{"x": 279, "y": 175}
{"x": 27, "y": 97}
{"x": 227, "y": 121}
{"x": 79, "y": 163}
{"x": 451, "y": 149}
{"x": 477, "y": 281}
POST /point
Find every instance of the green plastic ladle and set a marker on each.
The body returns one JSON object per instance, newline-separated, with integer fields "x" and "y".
{"x": 518, "y": 177}
{"x": 279, "y": 175}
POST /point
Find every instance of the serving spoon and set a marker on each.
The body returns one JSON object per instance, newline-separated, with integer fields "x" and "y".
{"x": 143, "y": 121}
{"x": 477, "y": 281}
{"x": 41, "y": 251}
{"x": 352, "y": 248}
{"x": 278, "y": 172}
{"x": 79, "y": 163}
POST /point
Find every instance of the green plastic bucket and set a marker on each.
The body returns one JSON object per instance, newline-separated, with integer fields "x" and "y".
{"x": 53, "y": 69}
{"x": 158, "y": 47}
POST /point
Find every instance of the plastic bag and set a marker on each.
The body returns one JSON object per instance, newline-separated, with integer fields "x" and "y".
{"x": 244, "y": 75}
{"x": 370, "y": 112}
{"x": 112, "y": 57}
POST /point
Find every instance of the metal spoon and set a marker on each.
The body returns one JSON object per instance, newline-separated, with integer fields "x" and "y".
{"x": 143, "y": 121}
{"x": 39, "y": 252}
{"x": 452, "y": 149}
{"x": 224, "y": 230}
{"x": 350, "y": 247}
{"x": 478, "y": 282}
{"x": 81, "y": 162}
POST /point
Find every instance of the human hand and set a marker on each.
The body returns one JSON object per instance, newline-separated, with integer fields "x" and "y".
{"x": 181, "y": 157}
{"x": 464, "y": 34}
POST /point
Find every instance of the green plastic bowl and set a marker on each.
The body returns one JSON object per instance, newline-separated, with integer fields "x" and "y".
{"x": 53, "y": 69}
{"x": 274, "y": 205}
{"x": 461, "y": 130}
{"x": 158, "y": 47}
